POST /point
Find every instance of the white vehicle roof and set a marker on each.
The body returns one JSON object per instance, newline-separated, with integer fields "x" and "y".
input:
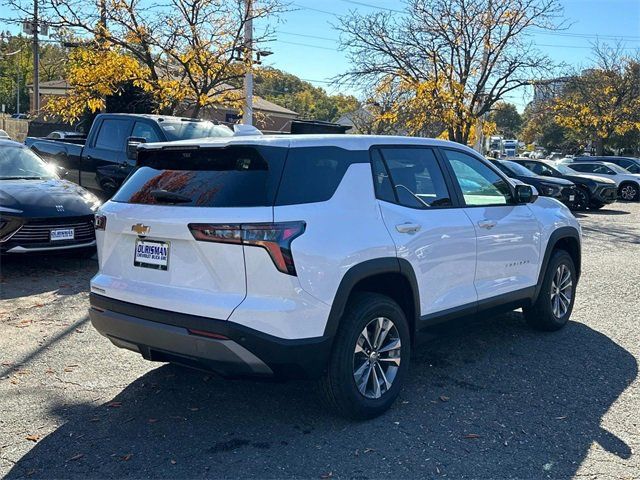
{"x": 348, "y": 142}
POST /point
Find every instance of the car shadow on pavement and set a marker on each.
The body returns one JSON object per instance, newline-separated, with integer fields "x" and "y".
{"x": 61, "y": 274}
{"x": 484, "y": 399}
{"x": 608, "y": 211}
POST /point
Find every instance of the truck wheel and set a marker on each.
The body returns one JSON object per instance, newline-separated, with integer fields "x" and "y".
{"x": 552, "y": 309}
{"x": 370, "y": 358}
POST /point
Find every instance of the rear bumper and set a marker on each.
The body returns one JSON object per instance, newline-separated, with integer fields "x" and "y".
{"x": 161, "y": 335}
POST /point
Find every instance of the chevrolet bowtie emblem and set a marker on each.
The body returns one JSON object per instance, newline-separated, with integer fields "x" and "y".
{"x": 140, "y": 229}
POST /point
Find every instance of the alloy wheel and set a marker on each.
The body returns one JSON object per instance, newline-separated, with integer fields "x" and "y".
{"x": 628, "y": 192}
{"x": 376, "y": 357}
{"x": 561, "y": 291}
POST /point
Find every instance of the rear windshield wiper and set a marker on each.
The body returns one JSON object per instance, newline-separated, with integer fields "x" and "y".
{"x": 169, "y": 197}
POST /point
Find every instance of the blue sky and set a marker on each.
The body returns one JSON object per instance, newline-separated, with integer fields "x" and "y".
{"x": 306, "y": 42}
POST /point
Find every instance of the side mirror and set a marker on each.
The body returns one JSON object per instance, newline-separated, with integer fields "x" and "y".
{"x": 526, "y": 194}
{"x": 132, "y": 146}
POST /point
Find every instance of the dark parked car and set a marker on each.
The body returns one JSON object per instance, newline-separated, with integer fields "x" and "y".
{"x": 629, "y": 163}
{"x": 558, "y": 188}
{"x": 107, "y": 156}
{"x": 592, "y": 192}
{"x": 39, "y": 212}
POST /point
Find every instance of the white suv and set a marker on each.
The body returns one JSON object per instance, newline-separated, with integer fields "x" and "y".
{"x": 321, "y": 256}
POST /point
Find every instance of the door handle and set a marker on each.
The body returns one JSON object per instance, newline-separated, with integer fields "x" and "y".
{"x": 408, "y": 227}
{"x": 488, "y": 224}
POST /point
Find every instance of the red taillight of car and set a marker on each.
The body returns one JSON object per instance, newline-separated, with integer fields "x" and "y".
{"x": 275, "y": 238}
{"x": 100, "y": 222}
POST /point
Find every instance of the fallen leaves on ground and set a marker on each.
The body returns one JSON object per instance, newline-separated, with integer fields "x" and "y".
{"x": 114, "y": 404}
{"x": 127, "y": 457}
{"x": 444, "y": 398}
{"x": 33, "y": 438}
{"x": 472, "y": 436}
{"x": 77, "y": 456}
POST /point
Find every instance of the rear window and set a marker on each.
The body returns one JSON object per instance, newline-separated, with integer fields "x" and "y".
{"x": 312, "y": 174}
{"x": 184, "y": 130}
{"x": 210, "y": 177}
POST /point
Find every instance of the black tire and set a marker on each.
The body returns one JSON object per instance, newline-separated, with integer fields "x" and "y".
{"x": 583, "y": 199}
{"x": 629, "y": 192}
{"x": 596, "y": 206}
{"x": 338, "y": 385}
{"x": 541, "y": 315}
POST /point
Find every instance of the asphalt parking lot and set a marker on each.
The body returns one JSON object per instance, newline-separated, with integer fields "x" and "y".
{"x": 485, "y": 399}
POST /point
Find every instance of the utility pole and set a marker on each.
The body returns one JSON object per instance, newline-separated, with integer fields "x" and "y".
{"x": 36, "y": 60}
{"x": 247, "y": 114}
{"x": 102, "y": 6}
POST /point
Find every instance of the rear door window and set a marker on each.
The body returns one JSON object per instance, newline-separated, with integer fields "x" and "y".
{"x": 416, "y": 176}
{"x": 112, "y": 134}
{"x": 312, "y": 174}
{"x": 207, "y": 177}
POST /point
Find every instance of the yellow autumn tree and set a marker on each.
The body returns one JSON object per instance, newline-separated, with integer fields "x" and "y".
{"x": 94, "y": 74}
{"x": 603, "y": 101}
{"x": 187, "y": 54}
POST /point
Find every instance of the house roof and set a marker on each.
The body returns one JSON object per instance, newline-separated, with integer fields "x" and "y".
{"x": 259, "y": 103}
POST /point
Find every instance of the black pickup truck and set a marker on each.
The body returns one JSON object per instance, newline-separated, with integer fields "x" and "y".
{"x": 104, "y": 160}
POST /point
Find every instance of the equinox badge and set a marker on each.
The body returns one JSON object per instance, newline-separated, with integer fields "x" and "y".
{"x": 140, "y": 229}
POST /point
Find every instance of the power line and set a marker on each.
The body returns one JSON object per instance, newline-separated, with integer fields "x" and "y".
{"x": 303, "y": 7}
{"x": 307, "y": 36}
{"x": 629, "y": 38}
{"x": 308, "y": 45}
{"x": 378, "y": 7}
{"x": 632, "y": 38}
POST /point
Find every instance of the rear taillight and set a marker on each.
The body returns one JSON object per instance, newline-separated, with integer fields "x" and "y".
{"x": 275, "y": 238}
{"x": 100, "y": 222}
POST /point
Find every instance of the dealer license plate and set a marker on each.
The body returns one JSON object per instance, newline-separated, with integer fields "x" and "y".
{"x": 61, "y": 234}
{"x": 151, "y": 254}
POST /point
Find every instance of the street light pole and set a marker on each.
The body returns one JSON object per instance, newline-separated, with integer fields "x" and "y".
{"x": 247, "y": 114}
{"x": 36, "y": 60}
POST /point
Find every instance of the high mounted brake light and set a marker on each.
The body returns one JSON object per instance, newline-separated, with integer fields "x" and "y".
{"x": 275, "y": 238}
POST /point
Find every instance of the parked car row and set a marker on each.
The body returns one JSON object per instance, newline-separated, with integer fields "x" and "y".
{"x": 588, "y": 184}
